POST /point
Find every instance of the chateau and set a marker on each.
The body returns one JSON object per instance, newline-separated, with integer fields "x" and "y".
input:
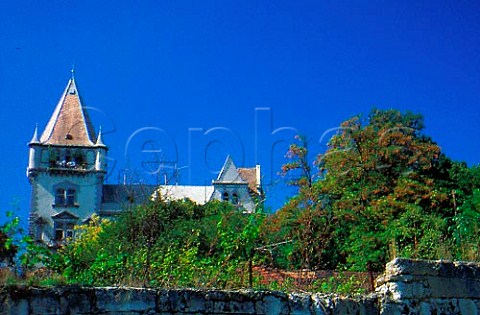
{"x": 67, "y": 170}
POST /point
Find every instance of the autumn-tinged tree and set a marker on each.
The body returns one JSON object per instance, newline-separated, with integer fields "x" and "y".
{"x": 380, "y": 174}
{"x": 381, "y": 189}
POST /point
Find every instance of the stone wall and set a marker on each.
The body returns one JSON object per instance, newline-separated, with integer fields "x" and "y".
{"x": 429, "y": 287}
{"x": 406, "y": 287}
{"x": 81, "y": 300}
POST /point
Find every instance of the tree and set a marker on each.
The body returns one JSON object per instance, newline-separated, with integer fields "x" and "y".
{"x": 378, "y": 172}
{"x": 465, "y": 226}
{"x": 306, "y": 220}
{"x": 164, "y": 243}
{"x": 381, "y": 190}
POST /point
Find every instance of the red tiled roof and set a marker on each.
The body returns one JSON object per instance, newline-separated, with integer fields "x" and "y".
{"x": 70, "y": 123}
{"x": 250, "y": 176}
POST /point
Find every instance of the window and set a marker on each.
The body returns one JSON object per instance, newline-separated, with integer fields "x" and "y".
{"x": 70, "y": 200}
{"x": 63, "y": 226}
{"x": 58, "y": 234}
{"x": 65, "y": 197}
{"x": 235, "y": 199}
{"x": 63, "y": 230}
{"x": 60, "y": 197}
{"x": 225, "y": 196}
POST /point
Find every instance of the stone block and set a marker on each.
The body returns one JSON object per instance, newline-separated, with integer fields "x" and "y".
{"x": 76, "y": 300}
{"x": 14, "y": 300}
{"x": 320, "y": 304}
{"x": 392, "y": 308}
{"x": 402, "y": 266}
{"x": 354, "y": 305}
{"x": 440, "y": 268}
{"x": 441, "y": 287}
{"x": 113, "y": 299}
{"x": 194, "y": 301}
{"x": 271, "y": 303}
{"x": 14, "y": 306}
{"x": 299, "y": 303}
{"x": 43, "y": 302}
{"x": 181, "y": 301}
{"x": 468, "y": 307}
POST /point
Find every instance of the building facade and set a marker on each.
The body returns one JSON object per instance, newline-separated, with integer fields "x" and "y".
{"x": 67, "y": 170}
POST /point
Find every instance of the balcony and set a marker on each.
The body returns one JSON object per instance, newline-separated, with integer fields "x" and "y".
{"x": 69, "y": 166}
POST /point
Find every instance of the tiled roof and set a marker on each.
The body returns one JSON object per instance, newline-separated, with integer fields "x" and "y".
{"x": 250, "y": 176}
{"x": 70, "y": 123}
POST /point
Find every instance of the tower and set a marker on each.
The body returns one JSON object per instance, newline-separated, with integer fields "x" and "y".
{"x": 66, "y": 170}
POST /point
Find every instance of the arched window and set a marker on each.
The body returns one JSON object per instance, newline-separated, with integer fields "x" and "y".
{"x": 235, "y": 199}
{"x": 225, "y": 196}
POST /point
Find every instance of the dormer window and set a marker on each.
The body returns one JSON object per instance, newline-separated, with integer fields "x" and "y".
{"x": 68, "y": 137}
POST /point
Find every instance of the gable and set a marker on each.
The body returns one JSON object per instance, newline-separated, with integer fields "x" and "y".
{"x": 64, "y": 216}
{"x": 229, "y": 173}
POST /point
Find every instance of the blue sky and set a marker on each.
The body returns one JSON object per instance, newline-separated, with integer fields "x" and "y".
{"x": 199, "y": 80}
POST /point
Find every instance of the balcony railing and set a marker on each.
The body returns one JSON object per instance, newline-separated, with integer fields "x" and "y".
{"x": 69, "y": 166}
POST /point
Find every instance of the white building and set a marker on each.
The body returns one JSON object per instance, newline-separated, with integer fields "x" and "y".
{"x": 67, "y": 168}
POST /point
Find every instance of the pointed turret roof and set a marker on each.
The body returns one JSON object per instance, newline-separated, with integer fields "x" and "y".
{"x": 99, "y": 142}
{"x": 35, "y": 136}
{"x": 70, "y": 123}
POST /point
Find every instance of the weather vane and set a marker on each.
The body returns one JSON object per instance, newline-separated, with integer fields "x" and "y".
{"x": 73, "y": 70}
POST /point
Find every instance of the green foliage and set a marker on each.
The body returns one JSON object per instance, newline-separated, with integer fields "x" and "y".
{"x": 8, "y": 232}
{"x": 382, "y": 189}
{"x": 339, "y": 284}
{"x": 164, "y": 243}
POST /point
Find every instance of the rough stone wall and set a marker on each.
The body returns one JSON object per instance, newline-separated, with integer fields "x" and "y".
{"x": 429, "y": 287}
{"x": 81, "y": 300}
{"x": 406, "y": 287}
